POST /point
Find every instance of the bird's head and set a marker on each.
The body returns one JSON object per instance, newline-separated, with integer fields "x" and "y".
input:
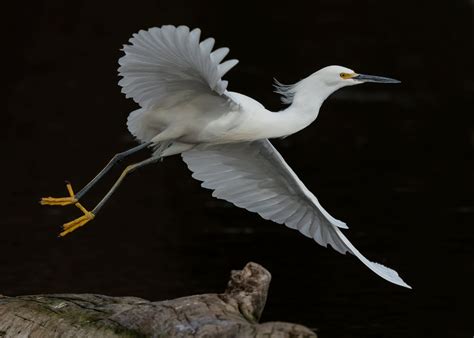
{"x": 319, "y": 85}
{"x": 338, "y": 77}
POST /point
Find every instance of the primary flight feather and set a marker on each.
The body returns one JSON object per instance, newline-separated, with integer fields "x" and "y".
{"x": 185, "y": 108}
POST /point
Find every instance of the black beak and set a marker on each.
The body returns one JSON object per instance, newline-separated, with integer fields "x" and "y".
{"x": 372, "y": 78}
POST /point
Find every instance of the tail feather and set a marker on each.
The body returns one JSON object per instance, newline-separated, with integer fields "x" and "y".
{"x": 137, "y": 126}
{"x": 134, "y": 123}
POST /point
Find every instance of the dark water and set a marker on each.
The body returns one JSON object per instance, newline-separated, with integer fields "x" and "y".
{"x": 395, "y": 162}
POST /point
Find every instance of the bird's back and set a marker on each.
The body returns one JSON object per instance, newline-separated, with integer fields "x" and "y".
{"x": 202, "y": 119}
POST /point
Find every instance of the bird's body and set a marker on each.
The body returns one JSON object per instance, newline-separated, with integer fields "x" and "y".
{"x": 205, "y": 119}
{"x": 233, "y": 117}
{"x": 185, "y": 108}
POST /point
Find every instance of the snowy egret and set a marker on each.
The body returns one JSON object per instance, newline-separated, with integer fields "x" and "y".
{"x": 222, "y": 136}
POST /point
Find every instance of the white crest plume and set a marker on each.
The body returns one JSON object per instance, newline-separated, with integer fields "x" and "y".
{"x": 287, "y": 91}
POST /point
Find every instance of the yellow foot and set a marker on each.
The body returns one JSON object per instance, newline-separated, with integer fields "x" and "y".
{"x": 78, "y": 222}
{"x": 60, "y": 200}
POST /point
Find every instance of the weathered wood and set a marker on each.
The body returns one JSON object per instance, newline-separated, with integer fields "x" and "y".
{"x": 235, "y": 313}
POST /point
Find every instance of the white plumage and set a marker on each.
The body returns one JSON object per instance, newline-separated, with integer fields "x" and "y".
{"x": 167, "y": 63}
{"x": 254, "y": 176}
{"x": 223, "y": 136}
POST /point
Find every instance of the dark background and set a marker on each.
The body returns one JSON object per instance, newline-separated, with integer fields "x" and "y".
{"x": 395, "y": 162}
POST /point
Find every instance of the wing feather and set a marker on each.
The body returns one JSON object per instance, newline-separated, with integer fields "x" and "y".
{"x": 254, "y": 176}
{"x": 163, "y": 65}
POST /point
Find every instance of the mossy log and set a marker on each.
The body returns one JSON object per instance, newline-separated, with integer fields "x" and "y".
{"x": 234, "y": 313}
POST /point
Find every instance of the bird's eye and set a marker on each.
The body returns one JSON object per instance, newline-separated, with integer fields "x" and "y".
{"x": 344, "y": 75}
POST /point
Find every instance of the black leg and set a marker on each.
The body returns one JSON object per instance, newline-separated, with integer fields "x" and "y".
{"x": 117, "y": 158}
{"x": 128, "y": 170}
{"x": 88, "y": 216}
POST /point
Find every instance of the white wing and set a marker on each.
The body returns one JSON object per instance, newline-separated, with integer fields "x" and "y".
{"x": 254, "y": 176}
{"x": 164, "y": 66}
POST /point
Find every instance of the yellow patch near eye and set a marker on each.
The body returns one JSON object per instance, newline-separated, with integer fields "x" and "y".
{"x": 346, "y": 76}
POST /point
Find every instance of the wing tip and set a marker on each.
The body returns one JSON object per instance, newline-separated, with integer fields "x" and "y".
{"x": 406, "y": 286}
{"x": 341, "y": 224}
{"x": 401, "y": 282}
{"x": 388, "y": 274}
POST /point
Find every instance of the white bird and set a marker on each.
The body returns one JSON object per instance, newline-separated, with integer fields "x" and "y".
{"x": 185, "y": 108}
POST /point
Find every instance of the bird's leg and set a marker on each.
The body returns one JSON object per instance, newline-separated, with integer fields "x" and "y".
{"x": 72, "y": 199}
{"x": 89, "y": 215}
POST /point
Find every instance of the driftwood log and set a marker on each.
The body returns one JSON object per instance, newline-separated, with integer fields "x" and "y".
{"x": 234, "y": 313}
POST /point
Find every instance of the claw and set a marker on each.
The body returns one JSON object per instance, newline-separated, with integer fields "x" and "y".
{"x": 61, "y": 200}
{"x": 78, "y": 222}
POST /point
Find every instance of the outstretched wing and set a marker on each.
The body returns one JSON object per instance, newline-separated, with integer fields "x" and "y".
{"x": 254, "y": 176}
{"x": 164, "y": 66}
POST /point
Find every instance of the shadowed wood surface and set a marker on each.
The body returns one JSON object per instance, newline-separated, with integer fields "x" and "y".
{"x": 234, "y": 313}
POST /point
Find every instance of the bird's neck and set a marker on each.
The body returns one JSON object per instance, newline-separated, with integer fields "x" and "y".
{"x": 307, "y": 100}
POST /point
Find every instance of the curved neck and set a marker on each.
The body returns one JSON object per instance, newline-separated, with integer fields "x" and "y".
{"x": 309, "y": 95}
